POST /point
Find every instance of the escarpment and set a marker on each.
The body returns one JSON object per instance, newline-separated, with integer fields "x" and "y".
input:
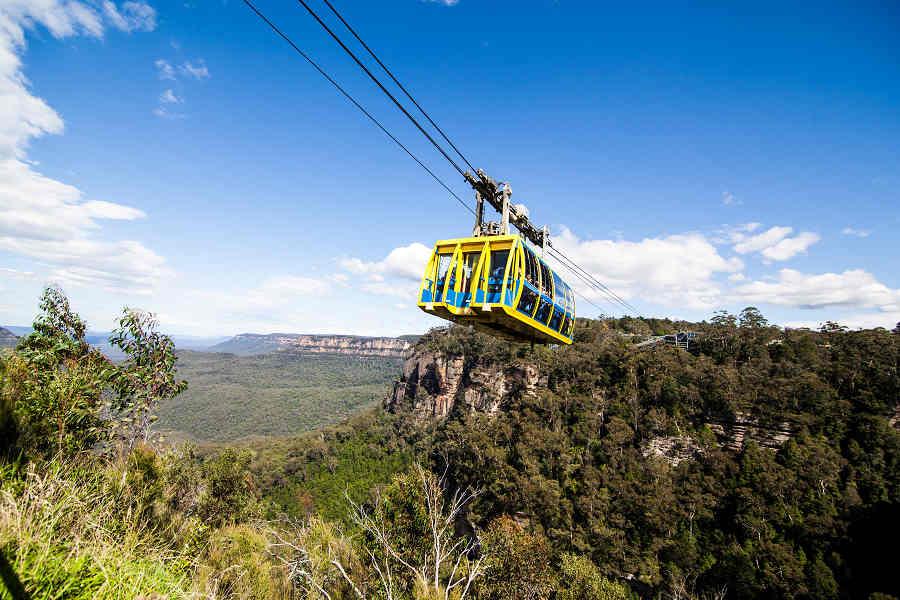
{"x": 433, "y": 384}
{"x": 454, "y": 371}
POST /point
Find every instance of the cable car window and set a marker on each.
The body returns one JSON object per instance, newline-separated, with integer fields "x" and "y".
{"x": 556, "y": 319}
{"x": 543, "y": 312}
{"x": 531, "y": 268}
{"x": 470, "y": 261}
{"x": 559, "y": 291}
{"x": 443, "y": 266}
{"x": 527, "y": 301}
{"x": 565, "y": 324}
{"x": 495, "y": 278}
{"x": 546, "y": 288}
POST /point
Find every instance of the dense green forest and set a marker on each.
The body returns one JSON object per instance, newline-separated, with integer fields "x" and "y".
{"x": 282, "y": 393}
{"x": 611, "y": 472}
{"x": 573, "y": 461}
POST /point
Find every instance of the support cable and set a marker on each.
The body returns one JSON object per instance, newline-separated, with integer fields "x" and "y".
{"x": 381, "y": 86}
{"x": 400, "y": 85}
{"x": 353, "y": 100}
{"x": 591, "y": 281}
{"x": 596, "y": 282}
{"x": 588, "y": 283}
{"x": 582, "y": 274}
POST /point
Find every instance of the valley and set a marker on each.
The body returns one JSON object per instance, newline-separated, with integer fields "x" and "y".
{"x": 232, "y": 397}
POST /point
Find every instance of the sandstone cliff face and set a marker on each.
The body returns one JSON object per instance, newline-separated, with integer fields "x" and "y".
{"x": 346, "y": 344}
{"x": 253, "y": 343}
{"x": 433, "y": 385}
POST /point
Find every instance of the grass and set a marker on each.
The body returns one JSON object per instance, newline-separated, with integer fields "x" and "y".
{"x": 64, "y": 535}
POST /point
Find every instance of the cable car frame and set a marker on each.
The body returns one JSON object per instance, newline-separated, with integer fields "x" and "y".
{"x": 500, "y": 286}
{"x": 495, "y": 281}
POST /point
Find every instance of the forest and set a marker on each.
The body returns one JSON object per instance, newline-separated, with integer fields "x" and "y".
{"x": 621, "y": 473}
{"x": 278, "y": 394}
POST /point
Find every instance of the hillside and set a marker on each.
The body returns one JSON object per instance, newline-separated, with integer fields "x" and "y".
{"x": 231, "y": 397}
{"x": 8, "y": 339}
{"x": 764, "y": 463}
{"x": 248, "y": 344}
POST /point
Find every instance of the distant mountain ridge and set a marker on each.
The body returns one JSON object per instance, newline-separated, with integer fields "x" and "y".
{"x": 248, "y": 344}
{"x": 8, "y": 339}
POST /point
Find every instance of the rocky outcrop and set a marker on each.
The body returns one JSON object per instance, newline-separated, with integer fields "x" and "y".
{"x": 745, "y": 428}
{"x": 347, "y": 344}
{"x": 253, "y": 343}
{"x": 673, "y": 449}
{"x": 433, "y": 385}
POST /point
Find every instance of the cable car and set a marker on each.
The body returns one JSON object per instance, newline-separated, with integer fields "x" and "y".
{"x": 499, "y": 285}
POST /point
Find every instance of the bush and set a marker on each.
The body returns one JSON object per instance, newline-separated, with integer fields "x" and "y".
{"x": 580, "y": 579}
{"x": 238, "y": 565}
{"x": 517, "y": 565}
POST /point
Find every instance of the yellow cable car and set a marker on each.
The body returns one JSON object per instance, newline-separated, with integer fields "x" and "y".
{"x": 498, "y": 284}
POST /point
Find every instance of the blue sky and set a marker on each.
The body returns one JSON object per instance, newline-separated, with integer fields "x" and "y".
{"x": 177, "y": 157}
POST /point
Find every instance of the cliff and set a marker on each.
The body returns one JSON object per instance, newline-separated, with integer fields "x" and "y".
{"x": 439, "y": 377}
{"x": 433, "y": 384}
{"x": 247, "y": 344}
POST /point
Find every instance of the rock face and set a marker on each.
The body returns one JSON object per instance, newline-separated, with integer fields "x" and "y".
{"x": 745, "y": 428}
{"x": 7, "y": 338}
{"x": 433, "y": 385}
{"x": 253, "y": 343}
{"x": 673, "y": 449}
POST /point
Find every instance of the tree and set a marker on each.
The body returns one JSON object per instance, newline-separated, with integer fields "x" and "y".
{"x": 58, "y": 386}
{"x": 896, "y": 329}
{"x": 751, "y": 318}
{"x": 580, "y": 579}
{"x": 517, "y": 563}
{"x": 56, "y": 381}
{"x": 145, "y": 378}
{"x": 411, "y": 541}
{"x": 724, "y": 319}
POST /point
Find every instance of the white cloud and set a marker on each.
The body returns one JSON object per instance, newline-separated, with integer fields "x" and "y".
{"x": 888, "y": 320}
{"x": 164, "y": 69}
{"x": 728, "y": 199}
{"x": 397, "y": 275}
{"x": 36, "y": 207}
{"x": 406, "y": 262}
{"x": 133, "y": 16}
{"x": 270, "y": 301}
{"x": 860, "y": 233}
{"x": 756, "y": 243}
{"x": 16, "y": 273}
{"x": 169, "y": 97}
{"x": 790, "y": 247}
{"x": 444, "y": 2}
{"x": 163, "y": 113}
{"x": 854, "y": 288}
{"x": 167, "y": 72}
{"x": 676, "y": 270}
{"x": 42, "y": 218}
{"x": 197, "y": 71}
{"x": 126, "y": 266}
{"x": 774, "y": 243}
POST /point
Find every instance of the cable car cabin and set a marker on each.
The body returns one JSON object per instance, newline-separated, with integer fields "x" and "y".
{"x": 500, "y": 286}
